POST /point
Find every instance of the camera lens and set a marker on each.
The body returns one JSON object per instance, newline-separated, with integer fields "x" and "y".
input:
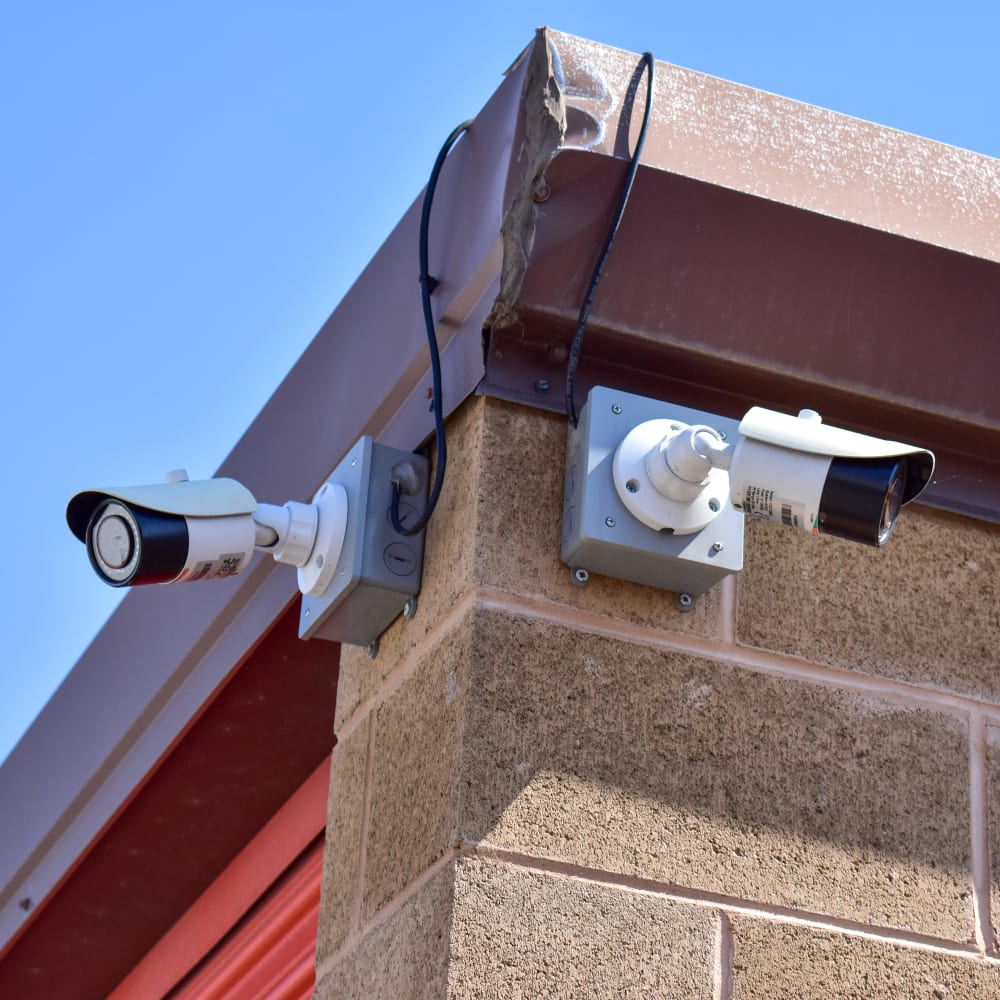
{"x": 861, "y": 499}
{"x": 113, "y": 541}
{"x": 893, "y": 501}
{"x": 132, "y": 545}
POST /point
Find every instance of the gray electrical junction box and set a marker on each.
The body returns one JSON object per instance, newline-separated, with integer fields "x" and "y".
{"x": 601, "y": 536}
{"x": 379, "y": 570}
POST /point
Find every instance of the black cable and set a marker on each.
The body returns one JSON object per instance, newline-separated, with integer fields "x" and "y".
{"x": 646, "y": 61}
{"x": 427, "y": 286}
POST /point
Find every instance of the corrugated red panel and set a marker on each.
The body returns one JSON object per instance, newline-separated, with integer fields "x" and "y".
{"x": 270, "y": 953}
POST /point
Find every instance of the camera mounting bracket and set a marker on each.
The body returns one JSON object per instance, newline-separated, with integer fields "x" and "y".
{"x": 601, "y": 535}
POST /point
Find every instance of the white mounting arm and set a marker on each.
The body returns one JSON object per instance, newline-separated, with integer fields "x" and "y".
{"x": 309, "y": 536}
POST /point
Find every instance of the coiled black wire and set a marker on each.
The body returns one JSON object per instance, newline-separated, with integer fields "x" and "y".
{"x": 648, "y": 62}
{"x": 427, "y": 286}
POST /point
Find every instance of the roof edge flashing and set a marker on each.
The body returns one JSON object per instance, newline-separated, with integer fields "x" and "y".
{"x": 791, "y": 152}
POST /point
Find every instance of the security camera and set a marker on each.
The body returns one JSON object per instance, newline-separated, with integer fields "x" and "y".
{"x": 796, "y": 471}
{"x": 181, "y": 531}
{"x": 166, "y": 533}
{"x": 356, "y": 570}
{"x": 658, "y": 493}
{"x": 803, "y": 473}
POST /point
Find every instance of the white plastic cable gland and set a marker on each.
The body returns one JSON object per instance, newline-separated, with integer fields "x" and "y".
{"x": 315, "y": 576}
{"x": 695, "y": 504}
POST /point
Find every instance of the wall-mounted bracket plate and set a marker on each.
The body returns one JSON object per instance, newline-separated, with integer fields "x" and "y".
{"x": 599, "y": 533}
{"x": 379, "y": 570}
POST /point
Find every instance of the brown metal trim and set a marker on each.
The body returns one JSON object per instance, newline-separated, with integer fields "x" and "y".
{"x": 790, "y": 153}
{"x": 261, "y": 737}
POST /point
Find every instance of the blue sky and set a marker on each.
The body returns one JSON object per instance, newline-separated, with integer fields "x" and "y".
{"x": 189, "y": 189}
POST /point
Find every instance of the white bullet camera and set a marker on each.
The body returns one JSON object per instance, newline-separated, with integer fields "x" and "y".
{"x": 803, "y": 473}
{"x": 180, "y": 531}
{"x": 797, "y": 471}
{"x": 166, "y": 533}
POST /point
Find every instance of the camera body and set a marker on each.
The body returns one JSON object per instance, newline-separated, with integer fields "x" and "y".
{"x": 803, "y": 473}
{"x": 168, "y": 532}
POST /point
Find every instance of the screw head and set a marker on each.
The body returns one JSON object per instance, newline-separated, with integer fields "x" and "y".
{"x": 616, "y": 409}
{"x": 541, "y": 385}
{"x": 684, "y": 602}
{"x": 717, "y": 546}
{"x": 579, "y": 576}
{"x": 372, "y": 650}
{"x": 410, "y": 609}
{"x": 610, "y": 522}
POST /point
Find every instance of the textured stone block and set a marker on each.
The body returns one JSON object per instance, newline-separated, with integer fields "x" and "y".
{"x": 616, "y": 756}
{"x": 516, "y": 934}
{"x": 342, "y": 854}
{"x": 418, "y": 737}
{"x": 924, "y": 609}
{"x": 779, "y": 962}
{"x": 993, "y": 764}
{"x": 358, "y": 680}
{"x": 405, "y": 957}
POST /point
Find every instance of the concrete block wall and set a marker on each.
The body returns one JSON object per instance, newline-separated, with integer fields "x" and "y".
{"x": 541, "y": 790}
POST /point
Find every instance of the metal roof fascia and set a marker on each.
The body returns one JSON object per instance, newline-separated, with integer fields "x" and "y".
{"x": 365, "y": 372}
{"x": 773, "y": 147}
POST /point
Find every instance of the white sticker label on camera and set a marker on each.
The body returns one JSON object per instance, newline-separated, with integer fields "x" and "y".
{"x": 759, "y": 501}
{"x": 792, "y": 514}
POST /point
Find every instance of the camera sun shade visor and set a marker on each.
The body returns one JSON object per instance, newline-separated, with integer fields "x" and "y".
{"x": 165, "y": 533}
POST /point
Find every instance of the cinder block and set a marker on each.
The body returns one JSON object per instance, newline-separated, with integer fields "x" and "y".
{"x": 359, "y": 678}
{"x": 418, "y": 739}
{"x": 924, "y": 609}
{"x": 615, "y": 756}
{"x": 993, "y": 765}
{"x": 782, "y": 962}
{"x": 405, "y": 957}
{"x": 342, "y": 856}
{"x": 519, "y": 934}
